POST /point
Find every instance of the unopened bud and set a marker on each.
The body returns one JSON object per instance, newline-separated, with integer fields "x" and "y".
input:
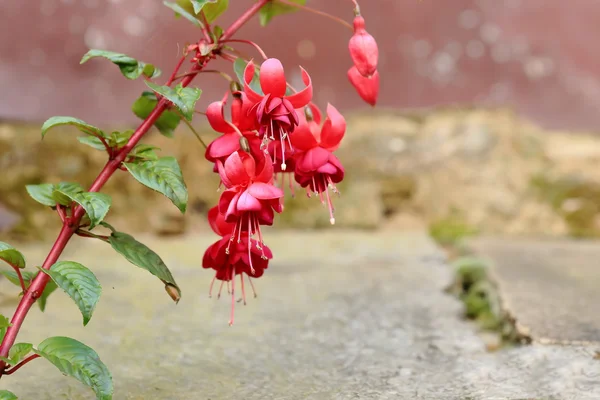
{"x": 367, "y": 88}
{"x": 244, "y": 144}
{"x": 363, "y": 49}
{"x": 173, "y": 292}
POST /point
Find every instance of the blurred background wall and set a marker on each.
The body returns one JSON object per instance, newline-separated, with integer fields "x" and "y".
{"x": 535, "y": 55}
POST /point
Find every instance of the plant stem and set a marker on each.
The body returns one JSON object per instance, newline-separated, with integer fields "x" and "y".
{"x": 39, "y": 282}
{"x": 19, "y": 365}
{"x": 317, "y": 12}
{"x": 251, "y": 43}
{"x": 177, "y": 67}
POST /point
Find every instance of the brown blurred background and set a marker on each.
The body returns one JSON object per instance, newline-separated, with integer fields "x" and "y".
{"x": 476, "y": 128}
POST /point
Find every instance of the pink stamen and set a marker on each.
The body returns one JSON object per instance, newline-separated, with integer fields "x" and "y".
{"x": 210, "y": 288}
{"x": 232, "y": 296}
{"x": 253, "y": 290}
{"x": 243, "y": 289}
{"x": 331, "y": 218}
{"x": 250, "y": 245}
{"x": 220, "y": 289}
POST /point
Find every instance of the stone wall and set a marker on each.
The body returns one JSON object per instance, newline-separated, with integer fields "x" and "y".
{"x": 485, "y": 169}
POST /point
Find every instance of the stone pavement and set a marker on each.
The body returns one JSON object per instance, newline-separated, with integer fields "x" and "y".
{"x": 340, "y": 315}
{"x": 550, "y": 287}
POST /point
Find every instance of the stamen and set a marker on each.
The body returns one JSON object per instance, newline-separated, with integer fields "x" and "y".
{"x": 292, "y": 186}
{"x": 220, "y": 288}
{"x": 243, "y": 289}
{"x": 331, "y": 218}
{"x": 210, "y": 288}
{"x": 282, "y": 138}
{"x": 250, "y": 245}
{"x": 253, "y": 290}
{"x": 232, "y": 296}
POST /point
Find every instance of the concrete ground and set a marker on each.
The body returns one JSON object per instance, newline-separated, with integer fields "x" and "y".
{"x": 340, "y": 315}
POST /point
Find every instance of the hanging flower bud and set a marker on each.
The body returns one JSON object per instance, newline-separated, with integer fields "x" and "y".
{"x": 363, "y": 49}
{"x": 367, "y": 88}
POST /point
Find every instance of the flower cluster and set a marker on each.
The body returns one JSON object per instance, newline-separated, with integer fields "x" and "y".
{"x": 365, "y": 54}
{"x": 277, "y": 131}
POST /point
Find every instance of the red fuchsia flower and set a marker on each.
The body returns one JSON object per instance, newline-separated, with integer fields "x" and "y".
{"x": 367, "y": 88}
{"x": 230, "y": 257}
{"x": 250, "y": 198}
{"x": 241, "y": 123}
{"x": 363, "y": 49}
{"x": 317, "y": 168}
{"x": 275, "y": 112}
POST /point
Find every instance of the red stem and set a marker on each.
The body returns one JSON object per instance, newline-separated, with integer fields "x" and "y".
{"x": 19, "y": 365}
{"x": 39, "y": 282}
{"x": 251, "y": 43}
{"x": 172, "y": 77}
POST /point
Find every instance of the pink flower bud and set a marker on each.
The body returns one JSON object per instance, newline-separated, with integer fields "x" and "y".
{"x": 367, "y": 88}
{"x": 363, "y": 49}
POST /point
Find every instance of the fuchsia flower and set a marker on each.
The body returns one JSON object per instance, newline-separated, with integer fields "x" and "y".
{"x": 367, "y": 88}
{"x": 230, "y": 257}
{"x": 275, "y": 112}
{"x": 363, "y": 49}
{"x": 229, "y": 142}
{"x": 317, "y": 168}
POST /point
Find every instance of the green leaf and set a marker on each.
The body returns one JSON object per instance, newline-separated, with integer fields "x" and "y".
{"x": 43, "y": 299}
{"x": 59, "y": 196}
{"x": 183, "y": 98}
{"x": 166, "y": 123}
{"x": 130, "y": 67}
{"x": 11, "y": 255}
{"x": 79, "y": 283}
{"x": 75, "y": 359}
{"x": 213, "y": 9}
{"x": 217, "y": 32}
{"x": 92, "y": 141}
{"x": 120, "y": 139}
{"x": 144, "y": 152}
{"x": 6, "y": 395}
{"x": 140, "y": 255}
{"x": 180, "y": 11}
{"x": 42, "y": 193}
{"x": 4, "y": 323}
{"x": 164, "y": 176}
{"x": 18, "y": 352}
{"x": 273, "y": 9}
{"x": 13, "y": 278}
{"x": 239, "y": 66}
{"x": 96, "y": 205}
{"x": 79, "y": 124}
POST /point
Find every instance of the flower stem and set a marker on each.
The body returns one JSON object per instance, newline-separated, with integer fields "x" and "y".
{"x": 317, "y": 12}
{"x": 251, "y": 43}
{"x": 39, "y": 282}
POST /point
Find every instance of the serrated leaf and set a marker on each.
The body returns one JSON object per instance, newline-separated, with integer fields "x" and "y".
{"x": 42, "y": 193}
{"x": 91, "y": 141}
{"x": 79, "y": 283}
{"x": 213, "y": 9}
{"x": 166, "y": 123}
{"x": 18, "y": 352}
{"x": 84, "y": 127}
{"x": 130, "y": 67}
{"x": 43, "y": 299}
{"x": 144, "y": 152}
{"x": 4, "y": 323}
{"x": 11, "y": 255}
{"x": 180, "y": 11}
{"x": 119, "y": 139}
{"x": 139, "y": 254}
{"x": 273, "y": 9}
{"x": 75, "y": 359}
{"x": 96, "y": 205}
{"x": 13, "y": 278}
{"x": 6, "y": 395}
{"x": 183, "y": 98}
{"x": 239, "y": 65}
{"x": 164, "y": 176}
{"x": 59, "y": 196}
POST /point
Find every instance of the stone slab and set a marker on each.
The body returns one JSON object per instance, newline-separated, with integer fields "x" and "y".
{"x": 340, "y": 315}
{"x": 550, "y": 286}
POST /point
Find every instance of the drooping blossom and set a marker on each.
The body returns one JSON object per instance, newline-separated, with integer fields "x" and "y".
{"x": 317, "y": 169}
{"x": 231, "y": 256}
{"x": 366, "y": 87}
{"x": 241, "y": 123}
{"x": 275, "y": 112}
{"x": 363, "y": 49}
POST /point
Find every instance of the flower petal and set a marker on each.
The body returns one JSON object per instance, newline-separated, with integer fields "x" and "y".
{"x": 302, "y": 138}
{"x": 236, "y": 170}
{"x": 248, "y": 76}
{"x": 225, "y": 200}
{"x": 233, "y": 213}
{"x": 222, "y": 146}
{"x": 217, "y": 222}
{"x": 266, "y": 173}
{"x": 272, "y": 78}
{"x": 367, "y": 88}
{"x": 333, "y": 130}
{"x": 265, "y": 191}
{"x": 304, "y": 96}
{"x": 245, "y": 120}
{"x": 247, "y": 202}
{"x": 339, "y": 175}
{"x": 312, "y": 160}
{"x": 223, "y": 174}
{"x": 214, "y": 114}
